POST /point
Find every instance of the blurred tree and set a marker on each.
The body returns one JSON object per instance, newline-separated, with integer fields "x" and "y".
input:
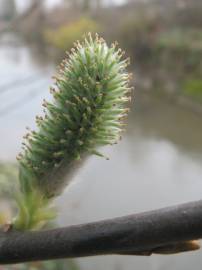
{"x": 98, "y": 4}
{"x": 7, "y": 9}
{"x": 89, "y": 5}
{"x": 32, "y": 21}
{"x": 72, "y": 3}
{"x": 86, "y": 5}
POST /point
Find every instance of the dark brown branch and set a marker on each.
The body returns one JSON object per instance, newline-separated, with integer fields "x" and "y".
{"x": 134, "y": 234}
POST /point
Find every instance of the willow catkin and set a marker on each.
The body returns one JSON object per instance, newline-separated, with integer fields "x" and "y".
{"x": 87, "y": 111}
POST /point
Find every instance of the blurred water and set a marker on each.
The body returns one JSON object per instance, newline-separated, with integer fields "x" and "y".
{"x": 158, "y": 162}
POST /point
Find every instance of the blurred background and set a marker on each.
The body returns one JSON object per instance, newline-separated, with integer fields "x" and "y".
{"x": 158, "y": 162}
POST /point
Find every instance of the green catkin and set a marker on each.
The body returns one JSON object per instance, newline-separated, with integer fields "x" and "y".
{"x": 89, "y": 103}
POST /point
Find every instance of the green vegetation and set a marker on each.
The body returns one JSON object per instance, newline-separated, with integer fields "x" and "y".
{"x": 193, "y": 88}
{"x": 8, "y": 176}
{"x": 64, "y": 37}
{"x": 8, "y": 184}
{"x": 49, "y": 265}
{"x": 181, "y": 39}
{"x": 169, "y": 57}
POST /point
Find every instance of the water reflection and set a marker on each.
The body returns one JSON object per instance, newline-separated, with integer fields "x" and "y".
{"x": 159, "y": 118}
{"x": 158, "y": 162}
{"x": 24, "y": 84}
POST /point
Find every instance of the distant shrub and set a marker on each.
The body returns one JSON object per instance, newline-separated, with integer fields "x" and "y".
{"x": 179, "y": 52}
{"x": 64, "y": 37}
{"x": 179, "y": 39}
{"x": 136, "y": 35}
{"x": 193, "y": 88}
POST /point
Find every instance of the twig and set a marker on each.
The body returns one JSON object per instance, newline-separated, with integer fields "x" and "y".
{"x": 141, "y": 234}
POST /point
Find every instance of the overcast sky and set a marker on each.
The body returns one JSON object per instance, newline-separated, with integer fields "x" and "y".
{"x": 24, "y": 3}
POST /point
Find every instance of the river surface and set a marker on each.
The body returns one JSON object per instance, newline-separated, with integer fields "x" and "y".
{"x": 158, "y": 163}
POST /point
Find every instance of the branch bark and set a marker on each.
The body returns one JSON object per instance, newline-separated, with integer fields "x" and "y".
{"x": 138, "y": 234}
